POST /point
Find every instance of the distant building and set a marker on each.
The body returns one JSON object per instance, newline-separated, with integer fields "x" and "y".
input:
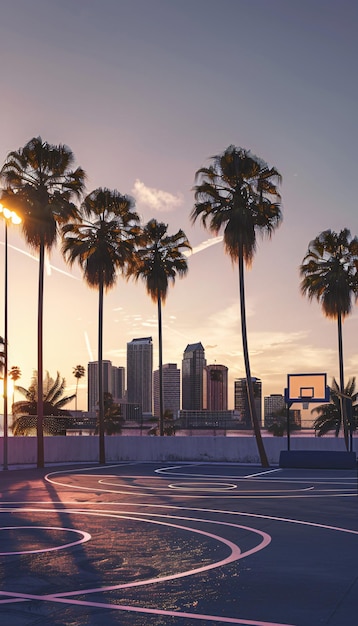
{"x": 171, "y": 390}
{"x": 92, "y": 382}
{"x": 273, "y": 405}
{"x": 118, "y": 383}
{"x": 275, "y": 411}
{"x": 140, "y": 372}
{"x": 241, "y": 402}
{"x": 217, "y": 387}
{"x": 194, "y": 377}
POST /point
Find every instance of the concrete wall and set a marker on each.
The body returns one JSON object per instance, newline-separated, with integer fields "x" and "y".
{"x": 240, "y": 449}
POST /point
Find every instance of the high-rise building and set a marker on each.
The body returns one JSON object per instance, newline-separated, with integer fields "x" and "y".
{"x": 118, "y": 383}
{"x": 171, "y": 390}
{"x": 241, "y": 402}
{"x": 217, "y": 387}
{"x": 194, "y": 378}
{"x": 92, "y": 382}
{"x": 139, "y": 372}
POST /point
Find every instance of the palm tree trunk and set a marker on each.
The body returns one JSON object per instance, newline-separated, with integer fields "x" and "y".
{"x": 249, "y": 385}
{"x": 161, "y": 411}
{"x": 76, "y": 394}
{"x": 341, "y": 381}
{"x": 102, "y": 455}
{"x": 40, "y": 407}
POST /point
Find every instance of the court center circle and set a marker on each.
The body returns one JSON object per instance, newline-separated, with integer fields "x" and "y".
{"x": 201, "y": 486}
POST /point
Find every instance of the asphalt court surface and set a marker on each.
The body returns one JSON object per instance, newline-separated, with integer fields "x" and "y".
{"x": 189, "y": 544}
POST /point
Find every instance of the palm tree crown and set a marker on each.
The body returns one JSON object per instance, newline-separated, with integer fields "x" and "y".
{"x": 103, "y": 243}
{"x": 40, "y": 184}
{"x": 330, "y": 272}
{"x": 159, "y": 258}
{"x": 329, "y": 415}
{"x": 238, "y": 196}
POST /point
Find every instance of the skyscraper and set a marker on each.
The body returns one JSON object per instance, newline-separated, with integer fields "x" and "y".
{"x": 217, "y": 387}
{"x": 241, "y": 402}
{"x": 92, "y": 388}
{"x": 194, "y": 378}
{"x": 118, "y": 382}
{"x": 139, "y": 372}
{"x": 171, "y": 389}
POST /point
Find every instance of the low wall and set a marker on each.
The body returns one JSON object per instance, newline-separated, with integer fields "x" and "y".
{"x": 240, "y": 449}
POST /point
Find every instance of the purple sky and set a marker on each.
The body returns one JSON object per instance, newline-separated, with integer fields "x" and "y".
{"x": 144, "y": 92}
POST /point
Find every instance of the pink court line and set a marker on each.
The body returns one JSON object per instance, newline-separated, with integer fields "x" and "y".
{"x": 122, "y": 607}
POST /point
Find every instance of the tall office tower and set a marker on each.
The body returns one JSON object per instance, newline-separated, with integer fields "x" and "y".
{"x": 194, "y": 378}
{"x": 217, "y": 387}
{"x": 118, "y": 384}
{"x": 171, "y": 390}
{"x": 241, "y": 401}
{"x": 139, "y": 372}
{"x": 92, "y": 380}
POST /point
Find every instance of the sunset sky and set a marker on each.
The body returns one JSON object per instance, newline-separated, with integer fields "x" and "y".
{"x": 144, "y": 92}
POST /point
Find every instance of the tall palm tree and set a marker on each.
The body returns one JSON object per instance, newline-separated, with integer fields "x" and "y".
{"x": 40, "y": 184}
{"x": 78, "y": 372}
{"x": 238, "y": 195}
{"x": 102, "y": 244}
{"x": 15, "y": 374}
{"x": 329, "y": 274}
{"x": 329, "y": 415}
{"x": 158, "y": 260}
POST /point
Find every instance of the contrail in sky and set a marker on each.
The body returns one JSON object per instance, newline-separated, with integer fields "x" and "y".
{"x": 205, "y": 244}
{"x": 88, "y": 346}
{"x": 49, "y": 267}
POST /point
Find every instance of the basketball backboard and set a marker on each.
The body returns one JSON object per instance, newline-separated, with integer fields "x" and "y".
{"x": 307, "y": 388}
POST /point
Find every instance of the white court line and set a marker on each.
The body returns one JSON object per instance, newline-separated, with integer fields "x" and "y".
{"x": 136, "y": 609}
{"x": 84, "y": 538}
{"x": 235, "y": 554}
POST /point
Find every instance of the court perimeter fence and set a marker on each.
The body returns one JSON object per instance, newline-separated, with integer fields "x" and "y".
{"x": 85, "y": 449}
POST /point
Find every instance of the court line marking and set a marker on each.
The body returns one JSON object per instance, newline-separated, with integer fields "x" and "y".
{"x": 137, "y": 609}
{"x": 236, "y": 554}
{"x": 85, "y": 537}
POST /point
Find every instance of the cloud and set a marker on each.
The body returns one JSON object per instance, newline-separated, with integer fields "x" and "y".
{"x": 155, "y": 199}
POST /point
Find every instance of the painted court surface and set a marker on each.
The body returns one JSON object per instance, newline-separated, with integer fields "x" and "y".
{"x": 181, "y": 544}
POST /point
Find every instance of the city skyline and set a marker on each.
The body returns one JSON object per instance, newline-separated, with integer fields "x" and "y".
{"x": 142, "y": 113}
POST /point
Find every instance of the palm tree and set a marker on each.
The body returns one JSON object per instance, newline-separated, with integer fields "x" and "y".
{"x": 40, "y": 185}
{"x": 329, "y": 414}
{"x": 158, "y": 261}
{"x": 113, "y": 419}
{"x": 169, "y": 429}
{"x": 330, "y": 275}
{"x": 15, "y": 374}
{"x": 25, "y": 411}
{"x": 237, "y": 195}
{"x": 78, "y": 372}
{"x": 102, "y": 245}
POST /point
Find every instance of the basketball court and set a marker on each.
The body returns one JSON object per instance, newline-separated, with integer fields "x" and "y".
{"x": 178, "y": 544}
